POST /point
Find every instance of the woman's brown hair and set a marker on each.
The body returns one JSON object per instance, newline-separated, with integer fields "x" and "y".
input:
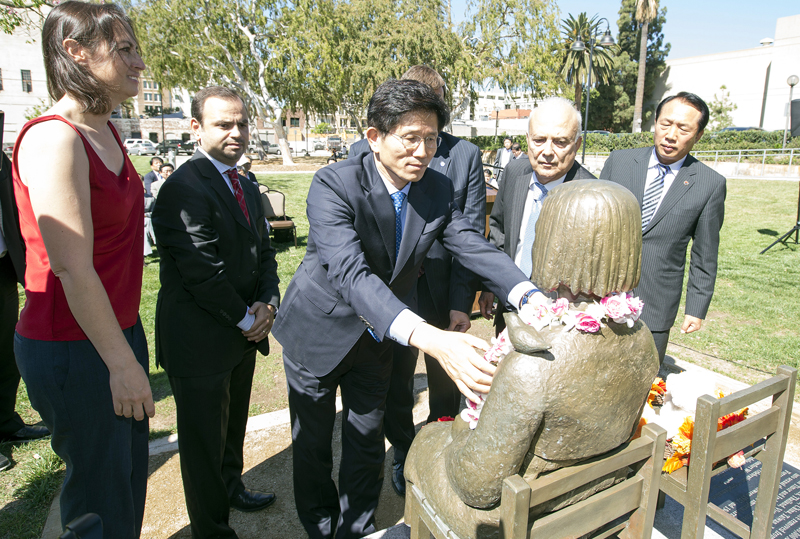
{"x": 91, "y": 25}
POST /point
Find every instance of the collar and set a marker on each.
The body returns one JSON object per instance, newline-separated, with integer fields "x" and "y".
{"x": 389, "y": 185}
{"x": 221, "y": 167}
{"x": 674, "y": 167}
{"x": 549, "y": 185}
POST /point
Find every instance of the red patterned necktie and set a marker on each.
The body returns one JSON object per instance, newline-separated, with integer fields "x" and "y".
{"x": 237, "y": 190}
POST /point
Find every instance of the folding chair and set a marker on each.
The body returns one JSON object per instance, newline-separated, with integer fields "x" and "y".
{"x": 274, "y": 203}
{"x": 626, "y": 508}
{"x": 762, "y": 435}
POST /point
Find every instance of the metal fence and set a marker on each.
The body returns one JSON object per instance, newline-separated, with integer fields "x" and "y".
{"x": 763, "y": 164}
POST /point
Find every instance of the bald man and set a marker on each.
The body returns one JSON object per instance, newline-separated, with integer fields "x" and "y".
{"x": 554, "y": 138}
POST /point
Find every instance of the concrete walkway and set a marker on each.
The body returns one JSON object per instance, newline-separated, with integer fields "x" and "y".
{"x": 268, "y": 467}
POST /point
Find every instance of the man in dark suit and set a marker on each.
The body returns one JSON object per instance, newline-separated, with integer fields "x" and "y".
{"x": 681, "y": 199}
{"x": 154, "y": 175}
{"x": 444, "y": 294}
{"x": 554, "y": 138}
{"x": 12, "y": 271}
{"x": 503, "y": 157}
{"x": 372, "y": 222}
{"x": 219, "y": 292}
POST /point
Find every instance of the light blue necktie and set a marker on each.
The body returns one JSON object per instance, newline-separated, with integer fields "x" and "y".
{"x": 397, "y": 200}
{"x": 653, "y": 195}
{"x": 530, "y": 229}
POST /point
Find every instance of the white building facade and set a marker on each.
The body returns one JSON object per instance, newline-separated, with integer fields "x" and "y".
{"x": 756, "y": 78}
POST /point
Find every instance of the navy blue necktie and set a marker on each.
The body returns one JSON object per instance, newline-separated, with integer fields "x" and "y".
{"x": 397, "y": 200}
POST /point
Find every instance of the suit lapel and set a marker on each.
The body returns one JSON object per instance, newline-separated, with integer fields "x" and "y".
{"x": 681, "y": 185}
{"x": 416, "y": 213}
{"x": 381, "y": 203}
{"x": 520, "y": 185}
{"x": 209, "y": 172}
{"x": 441, "y": 161}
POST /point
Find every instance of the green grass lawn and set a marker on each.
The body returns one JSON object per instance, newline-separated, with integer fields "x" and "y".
{"x": 753, "y": 321}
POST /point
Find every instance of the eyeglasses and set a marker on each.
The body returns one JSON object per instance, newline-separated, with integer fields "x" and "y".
{"x": 412, "y": 142}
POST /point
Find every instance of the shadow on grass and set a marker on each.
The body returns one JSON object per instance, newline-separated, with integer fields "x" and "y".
{"x": 24, "y": 517}
{"x": 767, "y": 232}
{"x": 159, "y": 385}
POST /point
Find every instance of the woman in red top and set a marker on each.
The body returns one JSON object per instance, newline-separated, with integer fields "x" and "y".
{"x": 79, "y": 344}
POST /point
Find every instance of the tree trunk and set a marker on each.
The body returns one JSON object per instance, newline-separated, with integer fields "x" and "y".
{"x": 578, "y": 94}
{"x": 286, "y": 150}
{"x": 637, "y": 109}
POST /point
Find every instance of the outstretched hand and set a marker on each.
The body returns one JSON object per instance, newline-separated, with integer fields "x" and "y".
{"x": 130, "y": 392}
{"x": 486, "y": 304}
{"x": 457, "y": 356}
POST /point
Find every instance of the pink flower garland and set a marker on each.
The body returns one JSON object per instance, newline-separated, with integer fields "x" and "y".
{"x": 620, "y": 307}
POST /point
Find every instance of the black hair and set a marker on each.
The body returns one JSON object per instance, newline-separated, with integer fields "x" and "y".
{"x": 168, "y": 164}
{"x": 154, "y": 159}
{"x": 395, "y": 98}
{"x": 199, "y": 101}
{"x": 693, "y": 101}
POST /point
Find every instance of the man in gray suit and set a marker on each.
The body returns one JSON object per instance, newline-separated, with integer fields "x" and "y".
{"x": 681, "y": 199}
{"x": 554, "y": 138}
{"x": 443, "y": 292}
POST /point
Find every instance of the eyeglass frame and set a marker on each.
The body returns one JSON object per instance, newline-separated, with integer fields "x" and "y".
{"x": 414, "y": 145}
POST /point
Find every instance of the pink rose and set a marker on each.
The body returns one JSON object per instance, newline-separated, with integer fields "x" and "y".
{"x": 560, "y": 306}
{"x": 635, "y": 305}
{"x": 587, "y": 323}
{"x": 540, "y": 311}
{"x": 616, "y": 307}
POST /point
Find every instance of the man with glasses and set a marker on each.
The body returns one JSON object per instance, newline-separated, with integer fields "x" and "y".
{"x": 553, "y": 142}
{"x": 372, "y": 221}
{"x": 444, "y": 293}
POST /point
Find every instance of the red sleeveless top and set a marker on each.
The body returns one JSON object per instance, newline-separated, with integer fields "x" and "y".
{"x": 117, "y": 205}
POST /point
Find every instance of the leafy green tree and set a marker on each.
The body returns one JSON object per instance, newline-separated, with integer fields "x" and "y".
{"x": 613, "y": 107}
{"x": 576, "y": 63}
{"x": 322, "y": 128}
{"x": 23, "y": 13}
{"x": 266, "y": 49}
{"x": 720, "y": 109}
{"x": 514, "y": 44}
{"x": 646, "y": 11}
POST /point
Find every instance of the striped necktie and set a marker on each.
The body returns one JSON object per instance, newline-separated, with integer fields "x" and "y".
{"x": 237, "y": 191}
{"x": 397, "y": 200}
{"x": 652, "y": 196}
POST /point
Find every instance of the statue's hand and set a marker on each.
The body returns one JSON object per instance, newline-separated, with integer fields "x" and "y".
{"x": 524, "y": 338}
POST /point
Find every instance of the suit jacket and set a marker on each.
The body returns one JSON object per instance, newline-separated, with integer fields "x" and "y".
{"x": 449, "y": 284}
{"x": 9, "y": 220}
{"x": 693, "y": 208}
{"x": 213, "y": 266}
{"x": 349, "y": 279}
{"x": 148, "y": 180}
{"x": 505, "y": 221}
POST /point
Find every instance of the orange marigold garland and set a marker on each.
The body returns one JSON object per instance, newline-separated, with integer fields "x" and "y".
{"x": 681, "y": 443}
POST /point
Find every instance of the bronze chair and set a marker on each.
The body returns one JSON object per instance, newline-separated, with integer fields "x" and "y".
{"x": 274, "y": 203}
{"x": 626, "y": 508}
{"x": 762, "y": 435}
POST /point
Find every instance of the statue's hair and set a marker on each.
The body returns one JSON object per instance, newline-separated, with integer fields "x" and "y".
{"x": 588, "y": 238}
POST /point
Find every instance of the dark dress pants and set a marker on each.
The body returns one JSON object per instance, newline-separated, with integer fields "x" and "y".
{"x": 363, "y": 376}
{"x": 444, "y": 398}
{"x": 661, "y": 339}
{"x": 105, "y": 454}
{"x": 212, "y": 418}
{"x": 10, "y": 422}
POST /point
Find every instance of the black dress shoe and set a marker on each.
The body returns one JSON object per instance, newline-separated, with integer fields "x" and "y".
{"x": 399, "y": 478}
{"x": 4, "y": 462}
{"x": 249, "y": 501}
{"x": 26, "y": 434}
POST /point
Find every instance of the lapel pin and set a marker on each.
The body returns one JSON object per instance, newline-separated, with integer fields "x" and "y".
{"x": 441, "y": 164}
{"x": 685, "y": 182}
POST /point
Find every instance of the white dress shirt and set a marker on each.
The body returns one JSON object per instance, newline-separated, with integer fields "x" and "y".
{"x": 530, "y": 200}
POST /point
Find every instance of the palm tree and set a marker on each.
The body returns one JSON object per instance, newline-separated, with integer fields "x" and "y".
{"x": 646, "y": 11}
{"x": 576, "y": 64}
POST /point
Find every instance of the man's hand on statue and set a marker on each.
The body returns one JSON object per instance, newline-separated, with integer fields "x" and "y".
{"x": 690, "y": 324}
{"x": 457, "y": 356}
{"x": 263, "y": 324}
{"x": 459, "y": 321}
{"x": 486, "y": 304}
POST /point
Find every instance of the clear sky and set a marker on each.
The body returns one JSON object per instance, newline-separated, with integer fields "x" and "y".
{"x": 693, "y": 27}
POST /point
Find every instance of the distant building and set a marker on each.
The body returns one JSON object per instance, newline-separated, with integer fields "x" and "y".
{"x": 23, "y": 84}
{"x": 755, "y": 78}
